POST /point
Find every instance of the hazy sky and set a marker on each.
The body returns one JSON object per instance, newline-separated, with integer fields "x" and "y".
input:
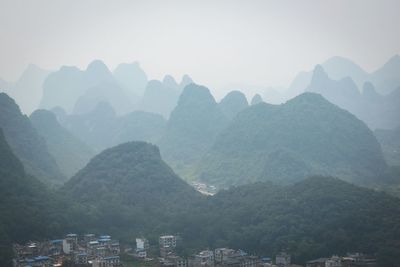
{"x": 216, "y": 42}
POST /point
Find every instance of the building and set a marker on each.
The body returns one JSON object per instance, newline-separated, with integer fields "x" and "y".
{"x": 70, "y": 243}
{"x": 67, "y": 246}
{"x": 89, "y": 237}
{"x": 112, "y": 261}
{"x": 225, "y": 257}
{"x": 81, "y": 258}
{"x": 202, "y": 259}
{"x": 222, "y": 254}
{"x": 317, "y": 262}
{"x": 142, "y": 244}
{"x": 141, "y": 254}
{"x": 173, "y": 261}
{"x": 334, "y": 261}
{"x": 56, "y": 247}
{"x": 282, "y": 259}
{"x": 167, "y": 241}
{"x": 358, "y": 260}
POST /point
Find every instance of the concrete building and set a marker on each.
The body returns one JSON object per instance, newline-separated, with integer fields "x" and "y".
{"x": 167, "y": 241}
{"x": 173, "y": 261}
{"x": 142, "y": 244}
{"x": 282, "y": 259}
{"x": 113, "y": 261}
{"x": 202, "y": 259}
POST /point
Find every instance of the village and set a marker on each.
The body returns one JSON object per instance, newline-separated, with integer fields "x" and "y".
{"x": 90, "y": 250}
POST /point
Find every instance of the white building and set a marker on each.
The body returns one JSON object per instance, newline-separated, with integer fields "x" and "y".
{"x": 142, "y": 244}
{"x": 167, "y": 241}
{"x": 282, "y": 259}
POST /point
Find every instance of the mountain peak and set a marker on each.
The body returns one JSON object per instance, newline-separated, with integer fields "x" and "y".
{"x": 170, "y": 82}
{"x": 256, "y": 99}
{"x": 195, "y": 94}
{"x": 319, "y": 73}
{"x": 97, "y": 65}
{"x": 233, "y": 103}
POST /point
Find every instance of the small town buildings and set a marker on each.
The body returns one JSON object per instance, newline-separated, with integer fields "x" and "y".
{"x": 282, "y": 259}
{"x": 89, "y": 237}
{"x": 81, "y": 258}
{"x": 351, "y": 260}
{"x": 173, "y": 261}
{"x": 142, "y": 244}
{"x": 222, "y": 254}
{"x": 112, "y": 261}
{"x": 167, "y": 241}
{"x": 56, "y": 247}
{"x": 203, "y": 259}
{"x": 103, "y": 251}
{"x": 225, "y": 257}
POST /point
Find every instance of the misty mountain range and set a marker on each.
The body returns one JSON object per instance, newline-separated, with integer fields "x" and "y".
{"x": 137, "y": 143}
{"x": 372, "y": 97}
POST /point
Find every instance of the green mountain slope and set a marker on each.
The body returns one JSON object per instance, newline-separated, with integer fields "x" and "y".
{"x": 29, "y": 211}
{"x": 131, "y": 189}
{"x": 303, "y": 137}
{"x": 26, "y": 143}
{"x": 313, "y": 218}
{"x": 191, "y": 129}
{"x": 69, "y": 152}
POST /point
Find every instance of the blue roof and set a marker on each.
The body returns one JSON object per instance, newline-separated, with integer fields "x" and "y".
{"x": 82, "y": 254}
{"x": 112, "y": 257}
{"x": 41, "y": 258}
{"x": 105, "y": 237}
{"x": 266, "y": 258}
{"x": 104, "y": 240}
{"x": 56, "y": 241}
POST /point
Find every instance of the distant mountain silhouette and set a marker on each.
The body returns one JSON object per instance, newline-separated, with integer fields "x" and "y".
{"x": 256, "y": 99}
{"x": 378, "y": 111}
{"x": 70, "y": 153}
{"x": 27, "y": 144}
{"x": 170, "y": 82}
{"x": 186, "y": 80}
{"x": 305, "y": 136}
{"x": 343, "y": 92}
{"x": 386, "y": 79}
{"x": 159, "y": 98}
{"x": 65, "y": 87}
{"x": 340, "y": 67}
{"x": 105, "y": 92}
{"x": 233, "y": 103}
{"x": 192, "y": 128}
{"x": 28, "y": 90}
{"x": 132, "y": 79}
{"x": 102, "y": 128}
